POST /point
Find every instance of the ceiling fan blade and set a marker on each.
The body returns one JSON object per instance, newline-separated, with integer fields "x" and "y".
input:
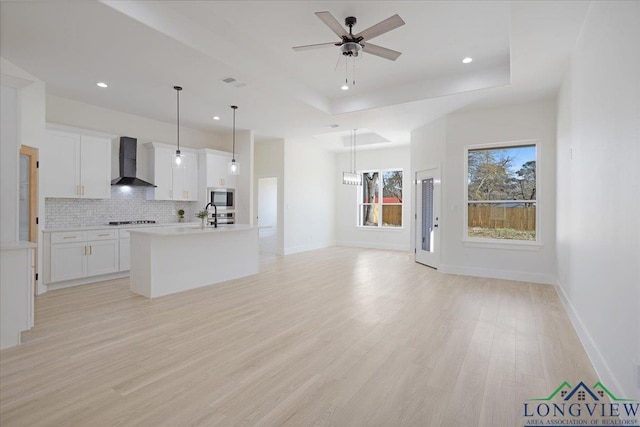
{"x": 332, "y": 23}
{"x": 380, "y": 51}
{"x": 312, "y": 46}
{"x": 381, "y": 27}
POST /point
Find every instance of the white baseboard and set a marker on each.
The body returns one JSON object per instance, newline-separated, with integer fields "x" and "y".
{"x": 521, "y": 276}
{"x": 305, "y": 248}
{"x": 597, "y": 361}
{"x": 374, "y": 245}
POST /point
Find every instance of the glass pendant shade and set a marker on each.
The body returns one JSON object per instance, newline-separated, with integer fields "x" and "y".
{"x": 233, "y": 167}
{"x": 178, "y": 159}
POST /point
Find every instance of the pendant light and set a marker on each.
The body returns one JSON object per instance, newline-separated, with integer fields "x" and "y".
{"x": 352, "y": 177}
{"x": 234, "y": 167}
{"x": 178, "y": 159}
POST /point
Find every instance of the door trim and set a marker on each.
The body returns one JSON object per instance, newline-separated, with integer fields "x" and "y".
{"x": 32, "y": 153}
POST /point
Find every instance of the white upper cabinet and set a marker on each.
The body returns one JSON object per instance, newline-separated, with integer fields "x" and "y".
{"x": 172, "y": 183}
{"x": 217, "y": 170}
{"x": 76, "y": 165}
{"x": 95, "y": 167}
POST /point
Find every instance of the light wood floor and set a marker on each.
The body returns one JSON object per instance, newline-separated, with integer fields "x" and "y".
{"x": 337, "y": 336}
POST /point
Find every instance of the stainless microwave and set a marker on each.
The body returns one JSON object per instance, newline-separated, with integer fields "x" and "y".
{"x": 222, "y": 197}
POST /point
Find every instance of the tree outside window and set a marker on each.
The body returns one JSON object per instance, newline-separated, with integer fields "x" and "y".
{"x": 385, "y": 211}
{"x": 501, "y": 192}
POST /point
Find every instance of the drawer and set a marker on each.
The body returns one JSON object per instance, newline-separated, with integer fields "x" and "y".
{"x": 68, "y": 236}
{"x": 102, "y": 234}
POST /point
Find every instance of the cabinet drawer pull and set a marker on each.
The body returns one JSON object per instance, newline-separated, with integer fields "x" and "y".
{"x": 70, "y": 237}
{"x": 103, "y": 234}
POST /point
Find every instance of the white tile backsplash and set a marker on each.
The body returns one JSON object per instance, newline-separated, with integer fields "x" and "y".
{"x": 122, "y": 206}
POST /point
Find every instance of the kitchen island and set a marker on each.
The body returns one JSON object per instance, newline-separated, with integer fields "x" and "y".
{"x": 170, "y": 260}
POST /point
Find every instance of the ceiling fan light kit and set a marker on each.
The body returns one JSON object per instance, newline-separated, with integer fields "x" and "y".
{"x": 350, "y": 45}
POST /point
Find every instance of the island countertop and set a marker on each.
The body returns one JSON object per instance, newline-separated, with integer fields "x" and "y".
{"x": 194, "y": 229}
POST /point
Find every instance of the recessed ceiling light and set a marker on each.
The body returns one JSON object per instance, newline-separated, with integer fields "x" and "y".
{"x": 344, "y": 87}
{"x": 102, "y": 84}
{"x": 216, "y": 118}
{"x": 467, "y": 60}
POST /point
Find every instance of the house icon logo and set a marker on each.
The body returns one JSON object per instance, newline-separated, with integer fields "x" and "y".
{"x": 581, "y": 393}
{"x": 575, "y": 404}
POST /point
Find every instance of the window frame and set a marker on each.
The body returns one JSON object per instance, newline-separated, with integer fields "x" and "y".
{"x": 381, "y": 204}
{"x": 501, "y": 243}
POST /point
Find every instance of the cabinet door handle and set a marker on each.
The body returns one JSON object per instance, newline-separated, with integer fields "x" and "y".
{"x": 90, "y": 250}
{"x": 103, "y": 234}
{"x": 86, "y": 249}
{"x": 69, "y": 237}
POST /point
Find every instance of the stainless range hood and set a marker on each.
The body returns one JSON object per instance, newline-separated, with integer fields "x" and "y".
{"x": 128, "y": 167}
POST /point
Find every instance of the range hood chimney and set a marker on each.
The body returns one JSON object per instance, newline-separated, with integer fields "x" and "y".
{"x": 127, "y": 158}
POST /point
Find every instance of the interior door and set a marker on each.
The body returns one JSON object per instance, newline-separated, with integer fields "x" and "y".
{"x": 28, "y": 205}
{"x": 428, "y": 217}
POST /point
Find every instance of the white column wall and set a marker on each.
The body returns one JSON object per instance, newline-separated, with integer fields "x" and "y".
{"x": 9, "y": 147}
{"x": 309, "y": 196}
{"x": 598, "y": 208}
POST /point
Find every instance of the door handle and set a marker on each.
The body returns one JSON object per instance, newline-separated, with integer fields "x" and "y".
{"x": 435, "y": 225}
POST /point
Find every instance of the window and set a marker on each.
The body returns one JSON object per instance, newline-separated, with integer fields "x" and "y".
{"x": 371, "y": 205}
{"x": 501, "y": 192}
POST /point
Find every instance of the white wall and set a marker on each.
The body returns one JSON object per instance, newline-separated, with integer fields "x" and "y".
{"x": 347, "y": 232}
{"x": 532, "y": 121}
{"x": 598, "y": 181}
{"x": 9, "y": 147}
{"x": 86, "y": 116}
{"x": 444, "y": 141}
{"x": 427, "y": 152}
{"x": 31, "y": 132}
{"x": 269, "y": 162}
{"x": 309, "y": 196}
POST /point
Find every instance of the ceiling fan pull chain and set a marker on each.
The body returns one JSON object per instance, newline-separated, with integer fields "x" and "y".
{"x": 354, "y": 71}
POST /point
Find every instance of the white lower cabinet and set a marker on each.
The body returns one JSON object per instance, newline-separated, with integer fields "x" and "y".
{"x": 68, "y": 261}
{"x": 73, "y": 255}
{"x": 103, "y": 257}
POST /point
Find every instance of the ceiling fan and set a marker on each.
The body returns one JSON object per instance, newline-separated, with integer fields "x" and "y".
{"x": 350, "y": 44}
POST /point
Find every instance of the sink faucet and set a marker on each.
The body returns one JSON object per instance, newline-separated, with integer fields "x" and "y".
{"x": 215, "y": 214}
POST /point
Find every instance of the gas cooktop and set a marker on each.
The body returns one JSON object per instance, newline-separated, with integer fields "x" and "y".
{"x": 141, "y": 221}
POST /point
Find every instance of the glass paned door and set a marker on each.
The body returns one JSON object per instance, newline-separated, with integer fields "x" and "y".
{"x": 428, "y": 217}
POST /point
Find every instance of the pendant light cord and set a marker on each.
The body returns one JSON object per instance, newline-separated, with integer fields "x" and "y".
{"x": 178, "y": 89}
{"x": 234, "y": 131}
{"x": 354, "y": 150}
